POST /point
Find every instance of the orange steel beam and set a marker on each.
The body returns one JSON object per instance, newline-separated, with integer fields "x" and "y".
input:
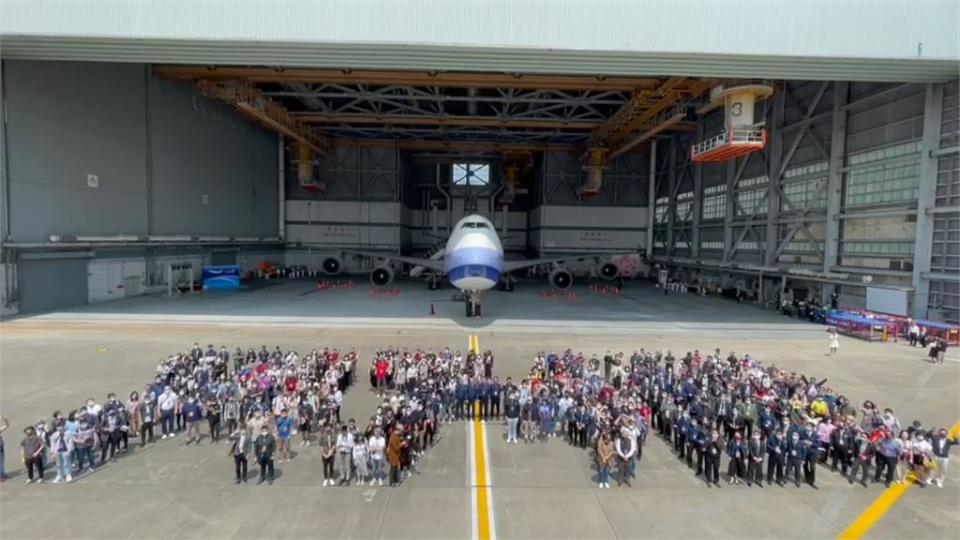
{"x": 409, "y": 78}
{"x": 473, "y": 121}
{"x": 247, "y": 99}
{"x": 644, "y": 106}
{"x": 453, "y": 146}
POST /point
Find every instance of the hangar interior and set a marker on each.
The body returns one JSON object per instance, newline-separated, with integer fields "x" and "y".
{"x": 115, "y": 174}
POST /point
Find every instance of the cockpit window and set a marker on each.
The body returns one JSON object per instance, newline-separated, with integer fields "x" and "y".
{"x": 474, "y": 225}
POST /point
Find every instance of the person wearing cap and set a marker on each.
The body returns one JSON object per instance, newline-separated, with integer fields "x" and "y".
{"x": 264, "y": 447}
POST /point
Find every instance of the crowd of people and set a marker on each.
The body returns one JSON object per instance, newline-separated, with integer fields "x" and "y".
{"x": 256, "y": 400}
{"x": 768, "y": 424}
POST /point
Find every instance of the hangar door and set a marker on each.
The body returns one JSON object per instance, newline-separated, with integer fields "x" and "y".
{"x": 49, "y": 284}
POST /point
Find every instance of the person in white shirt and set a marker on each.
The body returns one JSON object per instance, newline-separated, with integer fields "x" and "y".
{"x": 167, "y": 404}
{"x": 360, "y": 455}
{"x": 345, "y": 451}
{"x": 375, "y": 449}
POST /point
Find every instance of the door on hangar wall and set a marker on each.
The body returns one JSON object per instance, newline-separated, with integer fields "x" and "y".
{"x": 49, "y": 284}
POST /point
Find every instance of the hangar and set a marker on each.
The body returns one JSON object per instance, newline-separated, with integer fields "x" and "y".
{"x": 759, "y": 151}
{"x": 125, "y": 155}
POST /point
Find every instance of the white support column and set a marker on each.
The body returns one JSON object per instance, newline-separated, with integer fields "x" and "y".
{"x": 838, "y": 148}
{"x": 651, "y": 198}
{"x": 926, "y": 198}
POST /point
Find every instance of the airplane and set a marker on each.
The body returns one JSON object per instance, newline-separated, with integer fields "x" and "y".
{"x": 472, "y": 261}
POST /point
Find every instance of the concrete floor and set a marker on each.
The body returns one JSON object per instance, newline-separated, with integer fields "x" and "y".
{"x": 546, "y": 490}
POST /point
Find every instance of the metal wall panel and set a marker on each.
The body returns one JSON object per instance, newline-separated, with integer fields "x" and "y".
{"x": 65, "y": 121}
{"x": 213, "y": 172}
{"x": 813, "y": 39}
{"x": 47, "y": 285}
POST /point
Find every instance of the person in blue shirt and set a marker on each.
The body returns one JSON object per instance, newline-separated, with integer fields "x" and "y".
{"x": 192, "y": 414}
{"x": 737, "y": 452}
{"x": 284, "y": 434}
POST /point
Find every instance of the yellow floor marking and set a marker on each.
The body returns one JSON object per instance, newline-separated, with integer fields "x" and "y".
{"x": 484, "y": 531}
{"x": 883, "y": 503}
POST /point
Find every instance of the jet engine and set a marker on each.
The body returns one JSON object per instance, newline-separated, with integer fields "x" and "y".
{"x": 332, "y": 265}
{"x": 381, "y": 276}
{"x": 608, "y": 271}
{"x": 560, "y": 278}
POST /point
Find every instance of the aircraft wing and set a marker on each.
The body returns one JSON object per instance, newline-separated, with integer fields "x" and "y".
{"x": 432, "y": 264}
{"x": 510, "y": 266}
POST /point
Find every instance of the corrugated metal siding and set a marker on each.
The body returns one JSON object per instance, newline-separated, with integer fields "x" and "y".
{"x": 815, "y": 39}
{"x": 415, "y": 57}
{"x": 877, "y": 28}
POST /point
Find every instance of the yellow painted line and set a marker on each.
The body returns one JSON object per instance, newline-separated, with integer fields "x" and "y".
{"x": 883, "y": 503}
{"x": 474, "y": 344}
{"x": 482, "y": 486}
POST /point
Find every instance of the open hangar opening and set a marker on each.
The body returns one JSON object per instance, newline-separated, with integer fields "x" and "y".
{"x": 117, "y": 172}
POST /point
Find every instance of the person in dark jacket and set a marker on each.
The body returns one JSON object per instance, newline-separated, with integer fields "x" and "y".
{"x": 755, "y": 452}
{"x": 795, "y": 457}
{"x": 241, "y": 448}
{"x": 714, "y": 450}
{"x": 737, "y": 453}
{"x": 776, "y": 456}
{"x": 264, "y": 447}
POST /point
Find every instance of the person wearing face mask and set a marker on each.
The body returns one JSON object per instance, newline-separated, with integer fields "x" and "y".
{"x": 940, "y": 444}
{"x": 167, "y": 405}
{"x": 241, "y": 447}
{"x": 328, "y": 450}
{"x": 264, "y": 447}
{"x": 808, "y": 439}
{"x": 376, "y": 446}
{"x": 711, "y": 462}
{"x": 755, "y": 452}
{"x": 61, "y": 450}
{"x": 864, "y": 449}
{"x": 192, "y": 414}
{"x": 109, "y": 435}
{"x": 345, "y": 453}
{"x": 888, "y": 451}
{"x": 795, "y": 457}
{"x": 737, "y": 452}
{"x": 31, "y": 450}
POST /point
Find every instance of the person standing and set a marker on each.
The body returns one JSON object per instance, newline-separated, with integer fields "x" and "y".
{"x": 360, "y": 455}
{"x": 376, "y": 446}
{"x": 626, "y": 447}
{"x": 345, "y": 452}
{"x": 284, "y": 435}
{"x": 394, "y": 454}
{"x": 240, "y": 449}
{"x": 795, "y": 457}
{"x": 264, "y": 447}
{"x": 940, "y": 444}
{"x": 167, "y": 405}
{"x": 4, "y": 424}
{"x": 328, "y": 450}
{"x": 147, "y": 414}
{"x": 31, "y": 454}
{"x": 605, "y": 454}
{"x": 192, "y": 414}
{"x": 755, "y": 452}
{"x": 737, "y": 452}
{"x": 711, "y": 462}
{"x": 834, "y": 341}
{"x": 888, "y": 450}
{"x": 61, "y": 448}
{"x": 512, "y": 412}
{"x": 213, "y": 418}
